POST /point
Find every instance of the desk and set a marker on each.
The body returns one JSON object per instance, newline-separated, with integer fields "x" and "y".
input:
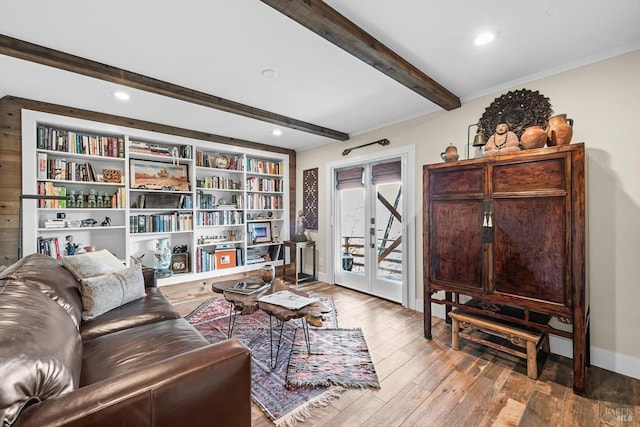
{"x": 298, "y": 275}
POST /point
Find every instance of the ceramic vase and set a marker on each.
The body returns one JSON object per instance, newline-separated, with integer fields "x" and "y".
{"x": 450, "y": 154}
{"x": 560, "y": 130}
{"x": 267, "y": 273}
{"x": 162, "y": 256}
{"x": 533, "y": 137}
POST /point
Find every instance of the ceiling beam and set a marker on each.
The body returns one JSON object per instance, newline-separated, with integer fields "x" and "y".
{"x": 327, "y": 22}
{"x": 53, "y": 58}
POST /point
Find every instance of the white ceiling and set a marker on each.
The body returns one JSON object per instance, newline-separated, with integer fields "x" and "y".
{"x": 220, "y": 47}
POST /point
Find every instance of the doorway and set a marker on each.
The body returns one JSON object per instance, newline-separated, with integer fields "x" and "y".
{"x": 371, "y": 237}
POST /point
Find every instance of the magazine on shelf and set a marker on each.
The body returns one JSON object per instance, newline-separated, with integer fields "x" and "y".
{"x": 248, "y": 288}
{"x": 287, "y": 299}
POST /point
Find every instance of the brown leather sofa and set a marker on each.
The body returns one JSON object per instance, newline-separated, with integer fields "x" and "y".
{"x": 138, "y": 365}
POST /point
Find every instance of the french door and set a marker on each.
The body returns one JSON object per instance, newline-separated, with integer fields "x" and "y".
{"x": 368, "y": 233}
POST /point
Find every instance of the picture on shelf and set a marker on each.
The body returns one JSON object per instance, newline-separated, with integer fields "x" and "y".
{"x": 159, "y": 176}
{"x": 180, "y": 262}
{"x": 261, "y": 232}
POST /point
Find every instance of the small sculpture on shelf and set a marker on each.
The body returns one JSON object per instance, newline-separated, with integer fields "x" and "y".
{"x": 71, "y": 247}
{"x": 99, "y": 200}
{"x": 71, "y": 203}
{"x": 106, "y": 222}
{"x": 80, "y": 199}
{"x": 91, "y": 199}
{"x": 502, "y": 141}
{"x": 89, "y": 222}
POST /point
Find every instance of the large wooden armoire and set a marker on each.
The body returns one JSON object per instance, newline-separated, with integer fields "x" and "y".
{"x": 504, "y": 237}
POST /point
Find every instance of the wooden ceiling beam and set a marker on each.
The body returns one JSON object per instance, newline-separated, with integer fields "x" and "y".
{"x": 53, "y": 58}
{"x": 327, "y": 22}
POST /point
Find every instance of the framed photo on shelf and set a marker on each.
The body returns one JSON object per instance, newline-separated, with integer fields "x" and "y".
{"x": 180, "y": 262}
{"x": 261, "y": 231}
{"x": 158, "y": 176}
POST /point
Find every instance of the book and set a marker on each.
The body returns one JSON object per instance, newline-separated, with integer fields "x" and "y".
{"x": 248, "y": 288}
{"x": 287, "y": 299}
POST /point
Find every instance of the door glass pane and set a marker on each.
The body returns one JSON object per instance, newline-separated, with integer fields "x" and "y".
{"x": 352, "y": 230}
{"x": 389, "y": 231}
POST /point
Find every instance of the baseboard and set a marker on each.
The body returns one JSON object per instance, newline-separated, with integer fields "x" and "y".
{"x": 618, "y": 363}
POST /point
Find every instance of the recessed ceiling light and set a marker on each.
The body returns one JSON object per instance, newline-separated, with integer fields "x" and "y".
{"x": 269, "y": 74}
{"x": 276, "y": 132}
{"x": 484, "y": 38}
{"x": 121, "y": 95}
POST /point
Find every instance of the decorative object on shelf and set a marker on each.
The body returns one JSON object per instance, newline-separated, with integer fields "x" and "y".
{"x": 518, "y": 109}
{"x": 503, "y": 141}
{"x": 71, "y": 246}
{"x": 112, "y": 175}
{"x": 261, "y": 232}
{"x": 80, "y": 199}
{"x": 382, "y": 142}
{"x": 299, "y": 235}
{"x": 221, "y": 161}
{"x": 479, "y": 141}
{"x": 276, "y": 234}
{"x": 233, "y": 235}
{"x": 310, "y": 197}
{"x": 158, "y": 176}
{"x": 450, "y": 154}
{"x": 268, "y": 273}
{"x": 106, "y": 222}
{"x": 162, "y": 257}
{"x": 89, "y": 222}
{"x": 71, "y": 203}
{"x": 91, "y": 199}
{"x": 180, "y": 262}
{"x": 560, "y": 130}
{"x": 533, "y": 137}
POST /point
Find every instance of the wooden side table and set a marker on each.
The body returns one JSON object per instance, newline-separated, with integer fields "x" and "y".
{"x": 298, "y": 275}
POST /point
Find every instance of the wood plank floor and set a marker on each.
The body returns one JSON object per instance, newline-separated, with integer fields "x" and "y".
{"x": 426, "y": 383}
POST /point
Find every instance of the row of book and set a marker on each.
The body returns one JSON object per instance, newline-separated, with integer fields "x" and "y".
{"x": 161, "y": 223}
{"x": 219, "y": 183}
{"x": 164, "y": 201}
{"x": 49, "y": 246}
{"x": 261, "y": 201}
{"x": 224, "y": 256}
{"x": 265, "y": 184}
{"x": 64, "y": 170}
{"x": 263, "y": 166}
{"x": 50, "y": 138}
{"x": 209, "y": 201}
{"x": 208, "y": 161}
{"x": 223, "y": 217}
{"x": 182, "y": 151}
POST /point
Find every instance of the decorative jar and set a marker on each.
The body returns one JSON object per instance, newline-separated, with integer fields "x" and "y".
{"x": 162, "y": 257}
{"x": 268, "y": 273}
{"x": 560, "y": 130}
{"x": 533, "y": 137}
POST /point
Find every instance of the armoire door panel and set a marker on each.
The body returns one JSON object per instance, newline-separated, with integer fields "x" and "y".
{"x": 530, "y": 251}
{"x": 456, "y": 243}
{"x": 462, "y": 181}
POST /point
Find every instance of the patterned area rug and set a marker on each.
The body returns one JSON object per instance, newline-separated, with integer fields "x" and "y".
{"x": 284, "y": 406}
{"x": 338, "y": 357}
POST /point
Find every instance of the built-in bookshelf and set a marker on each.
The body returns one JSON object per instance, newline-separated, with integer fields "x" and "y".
{"x": 127, "y": 188}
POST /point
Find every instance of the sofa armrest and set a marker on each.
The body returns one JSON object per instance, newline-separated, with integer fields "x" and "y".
{"x": 207, "y": 386}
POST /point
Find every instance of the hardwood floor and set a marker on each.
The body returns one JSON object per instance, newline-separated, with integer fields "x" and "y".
{"x": 425, "y": 383}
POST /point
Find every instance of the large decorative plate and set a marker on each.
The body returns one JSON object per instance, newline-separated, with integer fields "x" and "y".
{"x": 519, "y": 109}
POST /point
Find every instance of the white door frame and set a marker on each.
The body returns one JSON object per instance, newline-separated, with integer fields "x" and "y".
{"x": 407, "y": 158}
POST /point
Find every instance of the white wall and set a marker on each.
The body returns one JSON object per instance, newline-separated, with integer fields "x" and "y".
{"x": 604, "y": 101}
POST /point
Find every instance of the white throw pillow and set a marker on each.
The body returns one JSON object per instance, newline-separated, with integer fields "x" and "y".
{"x": 104, "y": 293}
{"x": 92, "y": 264}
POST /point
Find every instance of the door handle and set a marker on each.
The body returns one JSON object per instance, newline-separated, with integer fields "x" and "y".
{"x": 372, "y": 234}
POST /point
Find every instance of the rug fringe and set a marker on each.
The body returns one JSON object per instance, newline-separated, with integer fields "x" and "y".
{"x": 303, "y": 412}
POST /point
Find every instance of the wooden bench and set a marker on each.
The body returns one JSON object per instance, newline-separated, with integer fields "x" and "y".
{"x": 463, "y": 325}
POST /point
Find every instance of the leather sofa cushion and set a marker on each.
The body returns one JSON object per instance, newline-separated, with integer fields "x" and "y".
{"x": 101, "y": 294}
{"x": 153, "y": 308}
{"x": 40, "y": 348}
{"x": 129, "y": 350}
{"x": 49, "y": 277}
